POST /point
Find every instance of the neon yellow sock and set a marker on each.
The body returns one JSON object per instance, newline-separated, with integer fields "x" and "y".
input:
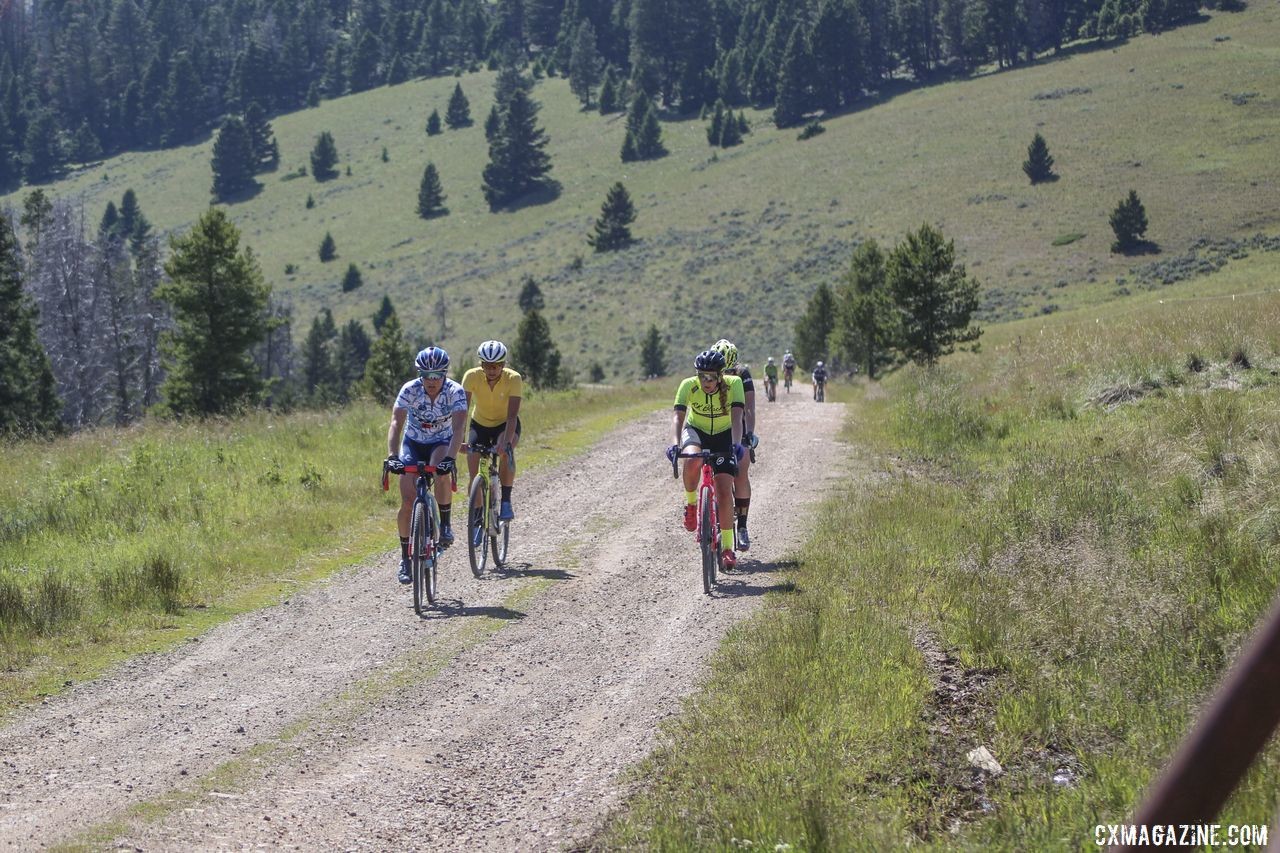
{"x": 690, "y": 498}
{"x": 726, "y": 539}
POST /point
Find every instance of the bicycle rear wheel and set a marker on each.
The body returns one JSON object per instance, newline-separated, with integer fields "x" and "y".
{"x": 477, "y": 540}
{"x": 709, "y": 540}
{"x": 417, "y": 553}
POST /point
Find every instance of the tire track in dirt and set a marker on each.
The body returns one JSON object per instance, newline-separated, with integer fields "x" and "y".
{"x": 518, "y": 742}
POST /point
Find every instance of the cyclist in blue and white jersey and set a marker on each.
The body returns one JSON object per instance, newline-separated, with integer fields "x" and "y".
{"x": 432, "y": 412}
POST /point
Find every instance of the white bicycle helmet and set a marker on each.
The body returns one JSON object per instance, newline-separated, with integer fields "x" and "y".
{"x": 431, "y": 359}
{"x": 491, "y": 352}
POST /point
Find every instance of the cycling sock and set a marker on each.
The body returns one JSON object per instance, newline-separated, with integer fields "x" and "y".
{"x": 740, "y": 506}
{"x": 445, "y": 509}
{"x": 404, "y": 547}
{"x": 726, "y": 540}
{"x": 691, "y": 498}
{"x": 506, "y": 493}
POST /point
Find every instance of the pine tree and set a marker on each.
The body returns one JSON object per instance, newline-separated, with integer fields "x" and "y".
{"x": 433, "y": 123}
{"x": 866, "y": 320}
{"x": 492, "y": 124}
{"x": 328, "y": 248}
{"x": 42, "y": 154}
{"x": 28, "y": 396}
{"x": 365, "y": 61}
{"x": 716, "y": 127}
{"x": 1039, "y": 164}
{"x": 530, "y": 295}
{"x": 644, "y": 132}
{"x": 385, "y": 310}
{"x": 319, "y": 369}
{"x": 518, "y": 162}
{"x": 389, "y": 360}
{"x": 109, "y": 227}
{"x": 611, "y": 229}
{"x": 1128, "y": 223}
{"x": 813, "y": 329}
{"x": 584, "y": 64}
{"x": 608, "y": 93}
{"x": 458, "y": 113}
{"x": 653, "y": 354}
{"x": 324, "y": 156}
{"x": 233, "y": 161}
{"x": 131, "y": 214}
{"x": 397, "y": 71}
{"x": 535, "y": 355}
{"x": 352, "y": 279}
{"x": 219, "y": 304}
{"x": 934, "y": 296}
{"x": 85, "y": 146}
{"x": 266, "y": 153}
{"x": 183, "y": 103}
{"x": 793, "y": 98}
{"x": 354, "y": 349}
{"x": 431, "y": 195}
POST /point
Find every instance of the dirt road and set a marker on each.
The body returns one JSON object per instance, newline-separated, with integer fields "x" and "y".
{"x": 338, "y": 720}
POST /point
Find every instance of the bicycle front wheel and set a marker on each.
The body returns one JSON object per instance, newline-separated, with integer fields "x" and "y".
{"x": 709, "y": 539}
{"x": 477, "y": 540}
{"x": 418, "y": 539}
{"x": 431, "y": 564}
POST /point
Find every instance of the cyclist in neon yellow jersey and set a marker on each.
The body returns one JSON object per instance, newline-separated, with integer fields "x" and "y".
{"x": 708, "y": 416}
{"x": 494, "y": 389}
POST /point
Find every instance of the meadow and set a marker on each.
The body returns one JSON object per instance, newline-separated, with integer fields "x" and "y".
{"x": 1063, "y": 542}
{"x": 1187, "y": 118}
{"x": 114, "y": 542}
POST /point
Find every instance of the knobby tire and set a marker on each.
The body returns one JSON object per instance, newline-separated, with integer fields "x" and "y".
{"x": 502, "y": 536}
{"x": 431, "y": 564}
{"x": 477, "y": 522}
{"x": 417, "y": 547}
{"x": 710, "y": 541}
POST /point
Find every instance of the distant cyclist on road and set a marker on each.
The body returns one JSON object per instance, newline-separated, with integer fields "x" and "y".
{"x": 432, "y": 412}
{"x": 771, "y": 379}
{"x": 819, "y": 378}
{"x": 708, "y": 416}
{"x": 494, "y": 389}
{"x": 742, "y": 482}
{"x": 788, "y": 367}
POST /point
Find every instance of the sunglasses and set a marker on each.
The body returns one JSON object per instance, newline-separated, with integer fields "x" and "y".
{"x": 432, "y": 374}
{"x": 488, "y": 364}
{"x": 708, "y": 377}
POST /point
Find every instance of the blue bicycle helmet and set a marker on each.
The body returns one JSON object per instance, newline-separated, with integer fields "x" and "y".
{"x": 709, "y": 360}
{"x": 430, "y": 359}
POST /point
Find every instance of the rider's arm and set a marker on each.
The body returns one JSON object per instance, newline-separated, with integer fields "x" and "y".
{"x": 749, "y": 413}
{"x": 393, "y": 432}
{"x": 737, "y": 425}
{"x": 678, "y": 420}
{"x": 737, "y": 402}
{"x": 513, "y": 412}
{"x": 459, "y": 422}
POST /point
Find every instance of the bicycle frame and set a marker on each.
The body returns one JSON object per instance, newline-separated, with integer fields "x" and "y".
{"x": 493, "y": 534}
{"x": 708, "y": 532}
{"x": 424, "y": 557}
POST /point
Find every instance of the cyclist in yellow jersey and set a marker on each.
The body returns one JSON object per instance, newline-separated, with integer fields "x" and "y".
{"x": 708, "y": 416}
{"x": 742, "y": 480}
{"x": 494, "y": 390}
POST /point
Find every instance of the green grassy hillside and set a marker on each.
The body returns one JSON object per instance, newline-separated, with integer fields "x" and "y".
{"x": 1188, "y": 118}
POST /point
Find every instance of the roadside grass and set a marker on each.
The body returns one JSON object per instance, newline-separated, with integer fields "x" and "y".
{"x": 1035, "y": 565}
{"x": 763, "y": 223}
{"x": 118, "y": 541}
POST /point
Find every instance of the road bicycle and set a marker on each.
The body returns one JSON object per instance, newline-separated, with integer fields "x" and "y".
{"x": 770, "y": 389}
{"x": 708, "y": 533}
{"x": 819, "y": 392}
{"x": 487, "y": 535}
{"x": 424, "y": 530}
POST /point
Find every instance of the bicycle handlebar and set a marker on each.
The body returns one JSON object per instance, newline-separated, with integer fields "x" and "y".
{"x": 489, "y": 448}
{"x": 420, "y": 469}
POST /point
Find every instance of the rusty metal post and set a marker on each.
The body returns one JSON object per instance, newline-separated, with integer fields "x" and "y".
{"x": 1216, "y": 754}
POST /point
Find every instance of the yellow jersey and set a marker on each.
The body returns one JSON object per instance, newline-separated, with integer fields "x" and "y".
{"x": 704, "y": 410}
{"x": 491, "y": 402}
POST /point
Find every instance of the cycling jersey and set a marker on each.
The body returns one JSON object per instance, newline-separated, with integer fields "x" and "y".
{"x": 771, "y": 371}
{"x": 820, "y": 375}
{"x": 705, "y": 412}
{"x": 789, "y": 363}
{"x": 491, "y": 403}
{"x": 430, "y": 421}
{"x": 745, "y": 375}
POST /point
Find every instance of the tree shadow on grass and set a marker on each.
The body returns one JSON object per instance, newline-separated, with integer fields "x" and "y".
{"x": 238, "y": 196}
{"x": 1138, "y": 249}
{"x": 456, "y": 607}
{"x": 545, "y": 193}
